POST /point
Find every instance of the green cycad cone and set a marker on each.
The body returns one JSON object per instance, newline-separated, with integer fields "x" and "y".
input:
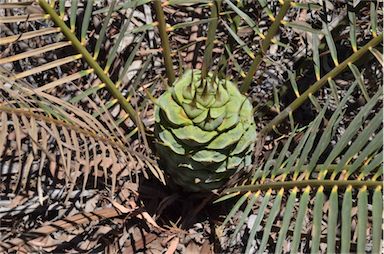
{"x": 205, "y": 130}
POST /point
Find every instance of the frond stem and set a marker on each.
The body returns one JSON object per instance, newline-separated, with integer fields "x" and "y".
{"x": 320, "y": 83}
{"x": 342, "y": 184}
{"x": 127, "y": 107}
{"x": 264, "y": 46}
{"x": 164, "y": 41}
{"x": 207, "y": 59}
{"x": 28, "y": 113}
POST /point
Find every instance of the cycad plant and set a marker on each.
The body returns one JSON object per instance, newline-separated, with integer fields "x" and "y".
{"x": 78, "y": 84}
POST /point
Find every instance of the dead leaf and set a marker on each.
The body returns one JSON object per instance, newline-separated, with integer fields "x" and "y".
{"x": 120, "y": 207}
{"x": 172, "y": 245}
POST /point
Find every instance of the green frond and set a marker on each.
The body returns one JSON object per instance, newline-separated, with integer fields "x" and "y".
{"x": 317, "y": 85}
{"x": 76, "y": 35}
{"x": 78, "y": 59}
{"x": 265, "y": 45}
{"x": 207, "y": 59}
{"x": 164, "y": 41}
{"x": 239, "y": 41}
{"x": 308, "y": 185}
{"x": 373, "y": 16}
{"x": 90, "y": 60}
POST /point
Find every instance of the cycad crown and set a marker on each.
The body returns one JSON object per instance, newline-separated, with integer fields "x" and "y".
{"x": 205, "y": 130}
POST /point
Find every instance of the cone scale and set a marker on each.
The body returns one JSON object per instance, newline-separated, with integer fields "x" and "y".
{"x": 205, "y": 131}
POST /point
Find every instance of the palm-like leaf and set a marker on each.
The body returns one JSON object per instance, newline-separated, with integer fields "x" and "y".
{"x": 35, "y": 123}
{"x": 64, "y": 38}
{"x": 56, "y": 153}
{"x": 74, "y": 147}
{"x": 351, "y": 169}
{"x": 93, "y": 69}
{"x": 293, "y": 188}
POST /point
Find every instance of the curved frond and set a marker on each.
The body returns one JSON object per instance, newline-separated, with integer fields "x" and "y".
{"x": 69, "y": 52}
{"x": 72, "y": 52}
{"x": 53, "y": 140}
{"x": 58, "y": 159}
{"x": 316, "y": 191}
